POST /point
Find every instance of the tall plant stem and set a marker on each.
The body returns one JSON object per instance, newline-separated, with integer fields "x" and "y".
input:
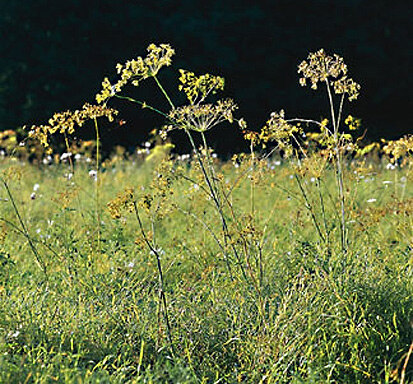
{"x": 216, "y": 201}
{"x": 98, "y": 183}
{"x": 323, "y": 212}
{"x": 68, "y": 151}
{"x": 339, "y": 167}
{"x": 211, "y": 188}
{"x": 210, "y": 163}
{"x": 309, "y": 206}
{"x": 162, "y": 295}
{"x": 38, "y": 258}
{"x": 252, "y": 181}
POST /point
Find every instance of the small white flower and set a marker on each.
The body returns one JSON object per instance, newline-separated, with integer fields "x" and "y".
{"x": 391, "y": 166}
{"x": 33, "y": 196}
{"x": 385, "y": 182}
{"x": 403, "y": 179}
{"x": 147, "y": 144}
{"x": 371, "y": 200}
{"x": 131, "y": 264}
{"x": 36, "y": 187}
{"x": 65, "y": 156}
{"x": 78, "y": 156}
{"x": 277, "y": 162}
{"x": 93, "y": 174}
{"x": 47, "y": 160}
{"x": 312, "y": 179}
{"x": 14, "y": 334}
{"x": 159, "y": 251}
{"x": 196, "y": 187}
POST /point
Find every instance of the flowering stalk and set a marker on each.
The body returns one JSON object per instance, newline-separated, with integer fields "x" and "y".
{"x": 331, "y": 70}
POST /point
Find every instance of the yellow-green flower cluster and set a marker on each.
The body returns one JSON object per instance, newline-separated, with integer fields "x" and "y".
{"x": 399, "y": 148}
{"x": 319, "y": 67}
{"x": 352, "y": 123}
{"x": 65, "y": 122}
{"x": 197, "y": 88}
{"x": 347, "y": 85}
{"x": 123, "y": 202}
{"x": 137, "y": 69}
{"x": 202, "y": 117}
{"x": 279, "y": 130}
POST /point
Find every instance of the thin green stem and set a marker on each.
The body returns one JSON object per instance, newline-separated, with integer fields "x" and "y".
{"x": 310, "y": 208}
{"x": 38, "y": 258}
{"x": 162, "y": 295}
{"x": 143, "y": 104}
{"x": 339, "y": 173}
{"x": 164, "y": 92}
{"x": 68, "y": 151}
{"x": 98, "y": 184}
{"x": 216, "y": 201}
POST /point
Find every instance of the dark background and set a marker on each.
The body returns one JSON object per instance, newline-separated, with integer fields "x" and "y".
{"x": 54, "y": 55}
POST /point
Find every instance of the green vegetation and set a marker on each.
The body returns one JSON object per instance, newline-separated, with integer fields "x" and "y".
{"x": 289, "y": 264}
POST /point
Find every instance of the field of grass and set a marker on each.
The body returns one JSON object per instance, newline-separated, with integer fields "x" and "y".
{"x": 82, "y": 302}
{"x": 292, "y": 263}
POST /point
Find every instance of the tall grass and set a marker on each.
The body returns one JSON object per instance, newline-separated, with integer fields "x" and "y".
{"x": 288, "y": 264}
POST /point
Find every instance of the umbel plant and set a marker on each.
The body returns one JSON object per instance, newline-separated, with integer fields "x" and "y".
{"x": 274, "y": 267}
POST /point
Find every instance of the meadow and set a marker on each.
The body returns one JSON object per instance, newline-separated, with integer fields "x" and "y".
{"x": 291, "y": 263}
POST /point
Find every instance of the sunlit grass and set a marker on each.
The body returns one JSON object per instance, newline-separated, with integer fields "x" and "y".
{"x": 328, "y": 318}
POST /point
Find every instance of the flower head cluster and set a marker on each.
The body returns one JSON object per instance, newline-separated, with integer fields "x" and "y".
{"x": 279, "y": 130}
{"x": 8, "y": 140}
{"x": 319, "y": 67}
{"x": 123, "y": 202}
{"x": 197, "y": 116}
{"x": 202, "y": 117}
{"x": 352, "y": 122}
{"x": 398, "y": 149}
{"x": 65, "y": 122}
{"x": 347, "y": 86}
{"x": 137, "y": 69}
{"x": 197, "y": 88}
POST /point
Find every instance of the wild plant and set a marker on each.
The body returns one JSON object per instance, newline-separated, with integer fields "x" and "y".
{"x": 65, "y": 123}
{"x": 239, "y": 244}
{"x": 331, "y": 144}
